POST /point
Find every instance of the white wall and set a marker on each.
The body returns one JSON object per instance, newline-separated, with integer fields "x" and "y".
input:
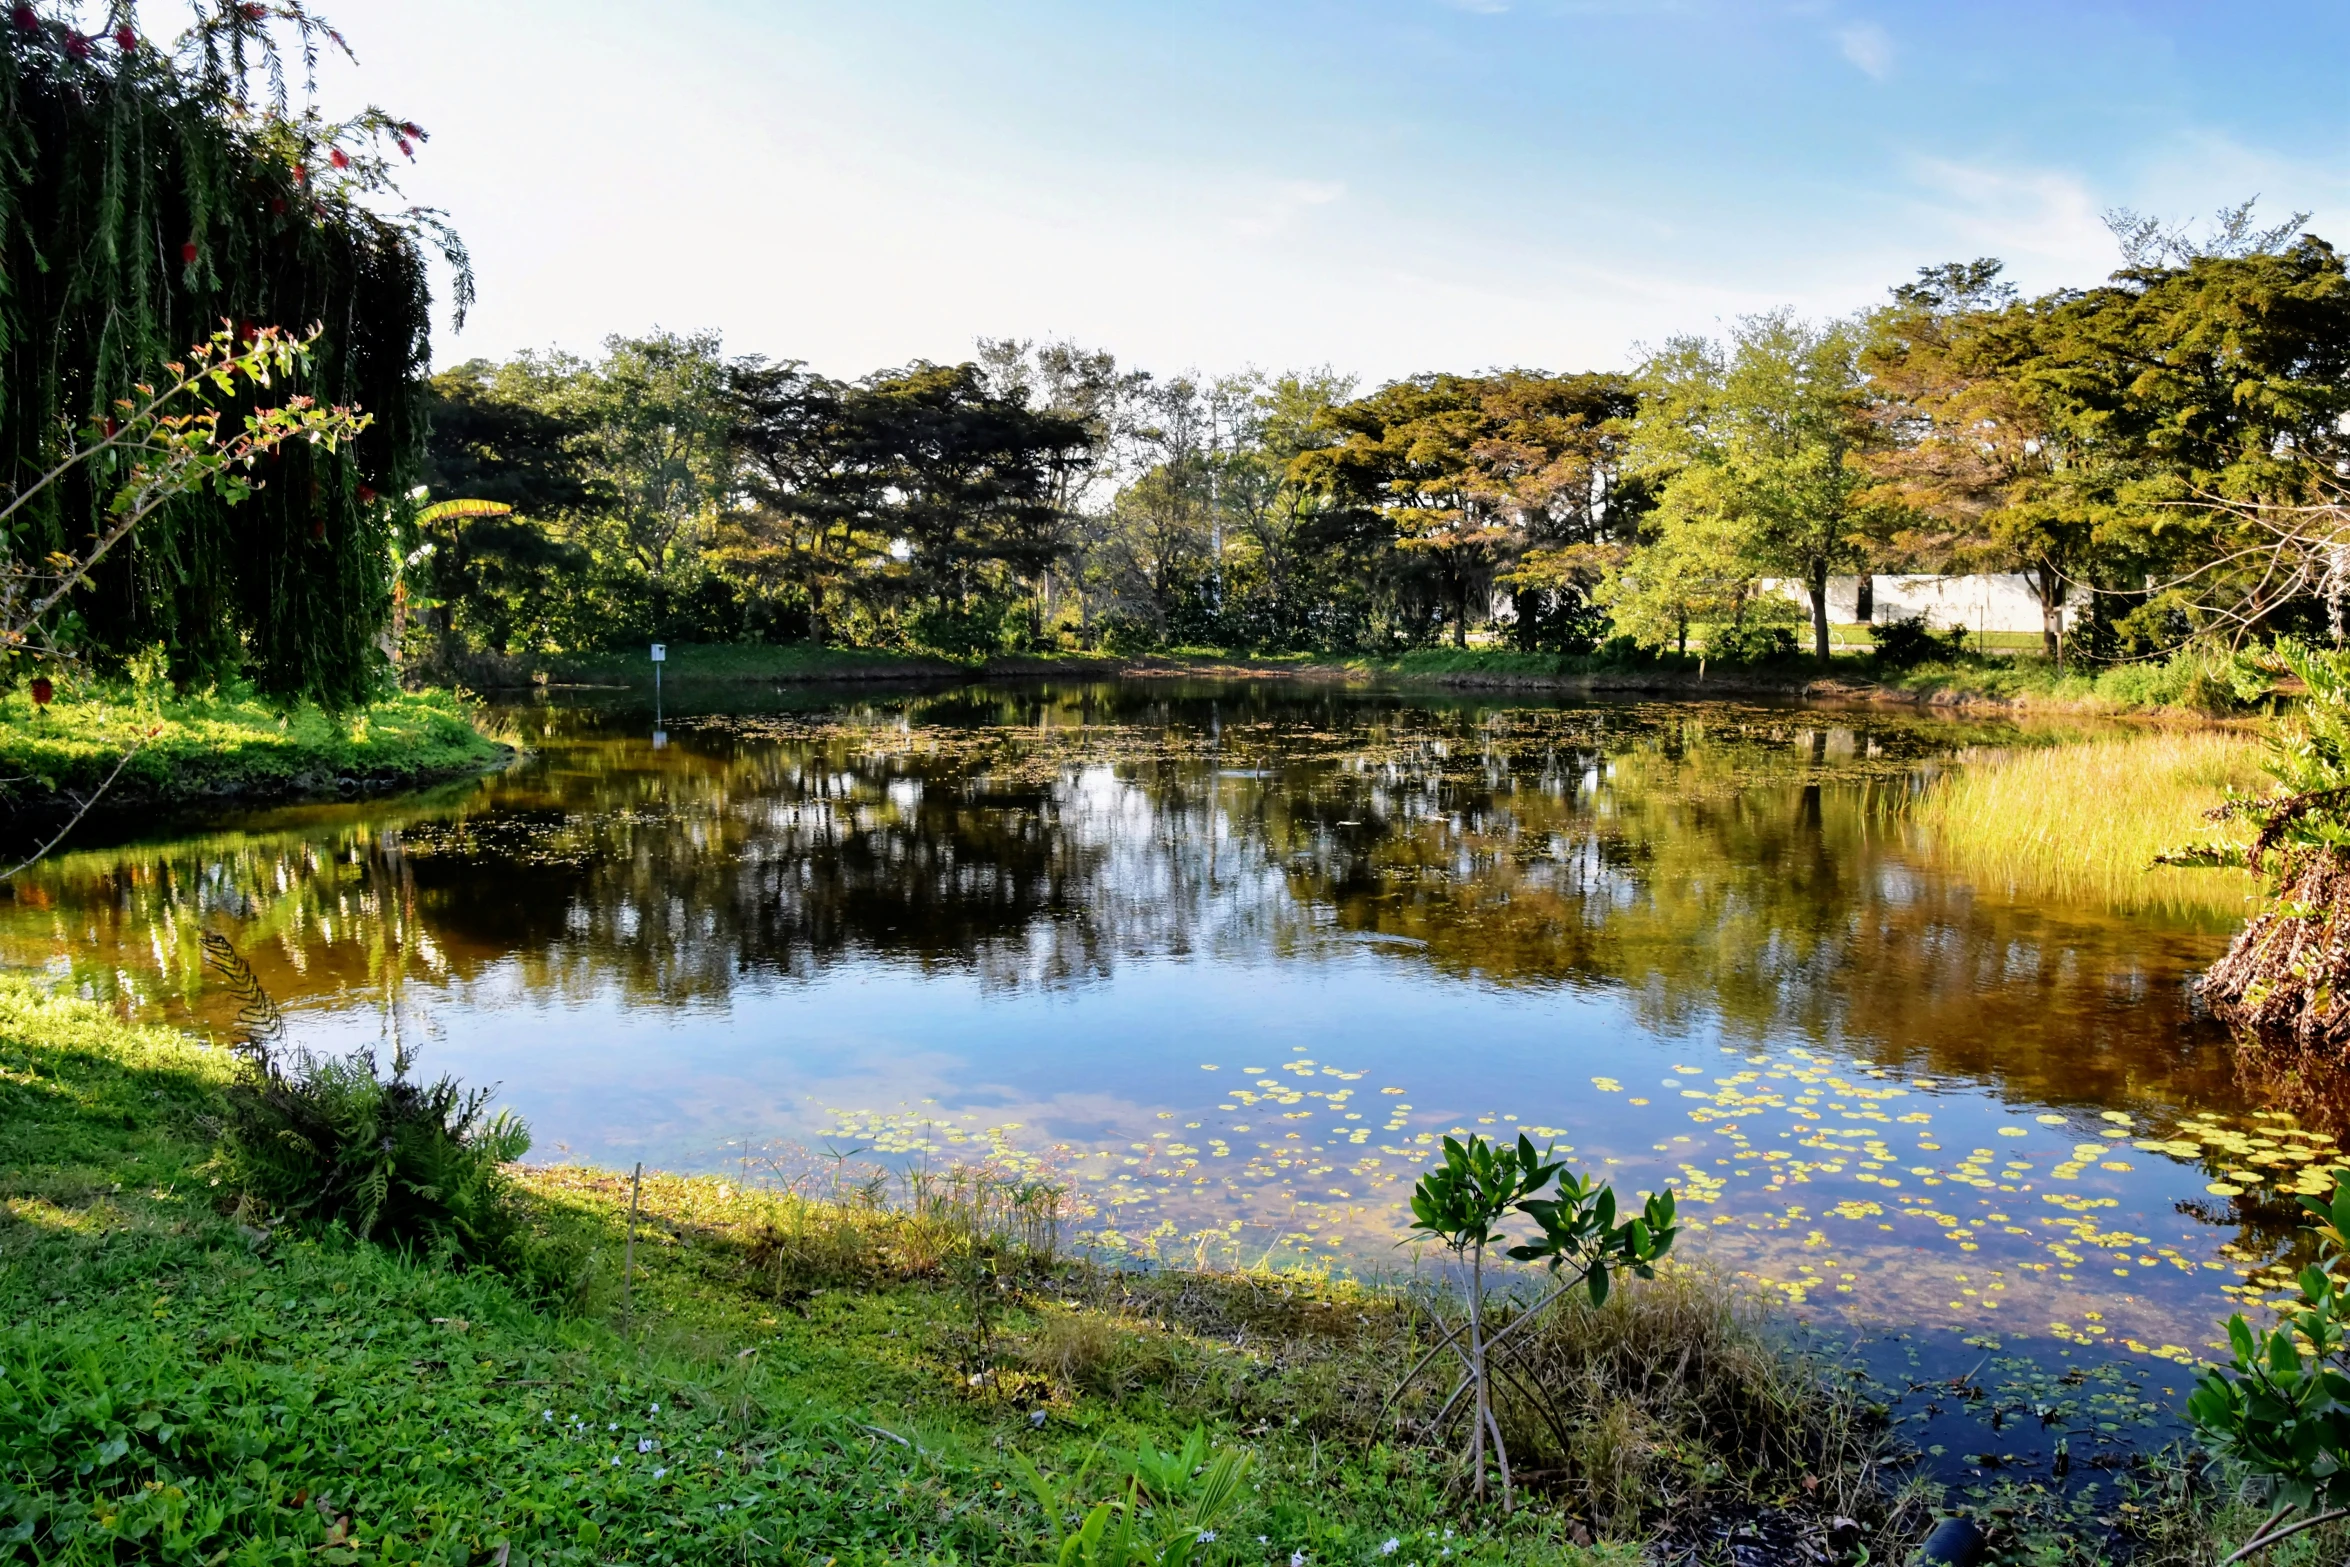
{"x": 2001, "y": 601}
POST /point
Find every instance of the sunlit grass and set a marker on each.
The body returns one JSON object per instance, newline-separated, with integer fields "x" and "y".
{"x": 219, "y": 742}
{"x": 2082, "y": 823}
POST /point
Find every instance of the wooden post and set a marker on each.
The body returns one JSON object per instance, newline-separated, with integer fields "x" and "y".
{"x": 636, "y": 1186}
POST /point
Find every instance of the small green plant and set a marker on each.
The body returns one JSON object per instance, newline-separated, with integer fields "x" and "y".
{"x": 1174, "y": 1504}
{"x": 331, "y": 1140}
{"x": 2282, "y": 1411}
{"x": 1463, "y": 1203}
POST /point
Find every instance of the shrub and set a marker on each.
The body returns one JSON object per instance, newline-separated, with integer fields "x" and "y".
{"x": 333, "y": 1141}
{"x": 330, "y": 1140}
{"x": 1750, "y": 644}
{"x": 1910, "y": 641}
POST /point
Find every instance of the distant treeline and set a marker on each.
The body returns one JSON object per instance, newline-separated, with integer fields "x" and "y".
{"x": 2117, "y": 443}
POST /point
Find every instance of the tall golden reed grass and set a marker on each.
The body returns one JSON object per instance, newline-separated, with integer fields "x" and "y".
{"x": 2081, "y": 823}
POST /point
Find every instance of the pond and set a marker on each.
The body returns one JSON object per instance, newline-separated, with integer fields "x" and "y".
{"x": 1230, "y": 959}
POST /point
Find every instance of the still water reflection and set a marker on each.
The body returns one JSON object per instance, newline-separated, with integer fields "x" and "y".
{"x": 1231, "y": 958}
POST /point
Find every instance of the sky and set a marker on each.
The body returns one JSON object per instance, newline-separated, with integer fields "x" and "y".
{"x": 1381, "y": 187}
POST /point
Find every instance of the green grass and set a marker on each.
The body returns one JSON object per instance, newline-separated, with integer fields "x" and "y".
{"x": 212, "y": 743}
{"x": 2082, "y": 822}
{"x": 176, "y": 1385}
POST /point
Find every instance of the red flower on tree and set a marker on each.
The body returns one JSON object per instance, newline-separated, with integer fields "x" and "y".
{"x": 366, "y": 496}
{"x": 125, "y": 39}
{"x": 24, "y": 19}
{"x": 188, "y": 253}
{"x": 339, "y": 158}
{"x": 42, "y": 690}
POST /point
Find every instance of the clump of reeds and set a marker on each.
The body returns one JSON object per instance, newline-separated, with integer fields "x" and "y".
{"x": 2082, "y": 823}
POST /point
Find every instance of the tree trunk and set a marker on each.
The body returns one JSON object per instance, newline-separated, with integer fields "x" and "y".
{"x": 1480, "y": 1417}
{"x": 2050, "y": 588}
{"x": 1819, "y": 610}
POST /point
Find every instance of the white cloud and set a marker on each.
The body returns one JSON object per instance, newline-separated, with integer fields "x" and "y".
{"x": 1869, "y": 47}
{"x": 2045, "y": 223}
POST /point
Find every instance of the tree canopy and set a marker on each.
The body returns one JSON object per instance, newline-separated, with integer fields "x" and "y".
{"x": 146, "y": 198}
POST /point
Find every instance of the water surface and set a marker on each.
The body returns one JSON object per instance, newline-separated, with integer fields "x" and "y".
{"x": 1230, "y": 959}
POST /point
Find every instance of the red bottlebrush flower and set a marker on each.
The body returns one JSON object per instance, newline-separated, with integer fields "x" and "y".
{"x": 411, "y": 130}
{"x": 247, "y": 331}
{"x": 188, "y": 253}
{"x": 76, "y": 45}
{"x": 277, "y": 203}
{"x": 339, "y": 158}
{"x": 42, "y": 690}
{"x": 366, "y": 496}
{"x": 125, "y": 39}
{"x": 110, "y": 427}
{"x": 24, "y": 19}
{"x": 406, "y": 151}
{"x": 254, "y": 13}
{"x": 318, "y": 530}
{"x": 300, "y": 174}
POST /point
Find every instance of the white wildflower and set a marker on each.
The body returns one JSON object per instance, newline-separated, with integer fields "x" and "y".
{"x": 644, "y": 1444}
{"x": 1207, "y": 1537}
{"x": 656, "y": 1409}
{"x": 1391, "y": 1546}
{"x": 1297, "y": 1559}
{"x": 658, "y": 1473}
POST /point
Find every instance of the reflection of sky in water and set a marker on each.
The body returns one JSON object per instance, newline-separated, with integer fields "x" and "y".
{"x": 1231, "y": 962}
{"x": 1238, "y": 1111}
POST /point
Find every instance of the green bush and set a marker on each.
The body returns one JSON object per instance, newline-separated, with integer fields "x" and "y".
{"x": 1750, "y": 643}
{"x": 1909, "y": 641}
{"x": 332, "y": 1141}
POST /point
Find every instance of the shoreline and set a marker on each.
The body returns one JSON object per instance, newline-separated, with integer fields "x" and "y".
{"x": 798, "y": 666}
{"x": 222, "y": 752}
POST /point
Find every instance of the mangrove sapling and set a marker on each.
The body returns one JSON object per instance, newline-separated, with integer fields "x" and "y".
{"x": 2283, "y": 1410}
{"x": 2286, "y": 977}
{"x": 1463, "y": 1203}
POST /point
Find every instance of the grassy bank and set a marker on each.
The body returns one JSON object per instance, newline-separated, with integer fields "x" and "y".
{"x": 2082, "y": 823}
{"x": 786, "y": 1378}
{"x": 215, "y": 744}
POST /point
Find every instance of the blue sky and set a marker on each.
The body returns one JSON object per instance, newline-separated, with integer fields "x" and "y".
{"x": 1381, "y": 187}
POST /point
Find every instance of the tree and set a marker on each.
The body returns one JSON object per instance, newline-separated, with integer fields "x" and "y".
{"x": 1467, "y": 470}
{"x": 142, "y": 203}
{"x": 1074, "y": 383}
{"x": 496, "y": 579}
{"x": 1979, "y": 462}
{"x": 967, "y": 479}
{"x": 1697, "y": 569}
{"x": 1770, "y": 426}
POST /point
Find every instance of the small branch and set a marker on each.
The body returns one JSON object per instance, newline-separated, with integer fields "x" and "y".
{"x": 2286, "y": 1533}
{"x": 95, "y": 796}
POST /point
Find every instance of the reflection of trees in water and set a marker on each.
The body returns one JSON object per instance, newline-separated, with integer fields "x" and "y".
{"x": 1743, "y": 865}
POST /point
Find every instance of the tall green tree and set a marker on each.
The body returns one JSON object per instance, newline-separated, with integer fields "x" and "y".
{"x": 1770, "y": 426}
{"x": 501, "y": 582}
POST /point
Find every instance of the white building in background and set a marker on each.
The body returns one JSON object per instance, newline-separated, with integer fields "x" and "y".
{"x": 1990, "y": 601}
